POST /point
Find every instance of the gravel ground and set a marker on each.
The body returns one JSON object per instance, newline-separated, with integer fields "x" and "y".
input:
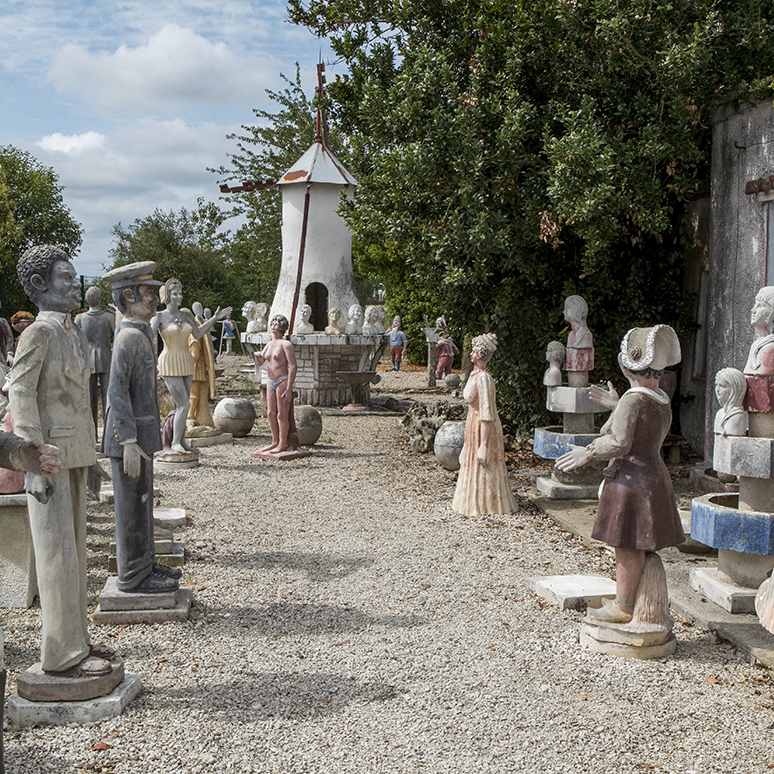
{"x": 346, "y": 620}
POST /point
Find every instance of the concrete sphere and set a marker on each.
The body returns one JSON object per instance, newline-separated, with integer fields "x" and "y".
{"x": 308, "y": 424}
{"x": 235, "y": 416}
{"x": 448, "y": 444}
{"x": 452, "y": 381}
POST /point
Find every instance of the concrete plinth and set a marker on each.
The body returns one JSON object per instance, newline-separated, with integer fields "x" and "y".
{"x": 552, "y": 442}
{"x": 179, "y": 612}
{"x": 555, "y": 490}
{"x": 594, "y": 638}
{"x": 285, "y": 456}
{"x": 572, "y": 400}
{"x": 18, "y": 580}
{"x": 26, "y": 713}
{"x": 569, "y": 592}
{"x": 721, "y": 590}
{"x": 210, "y": 440}
{"x": 169, "y": 465}
{"x": 112, "y": 599}
{"x": 35, "y": 685}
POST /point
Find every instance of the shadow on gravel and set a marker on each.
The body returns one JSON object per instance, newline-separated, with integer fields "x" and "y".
{"x": 319, "y": 568}
{"x": 286, "y": 618}
{"x": 20, "y": 757}
{"x": 283, "y": 695}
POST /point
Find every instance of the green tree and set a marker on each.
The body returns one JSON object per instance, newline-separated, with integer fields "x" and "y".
{"x": 265, "y": 152}
{"x": 512, "y": 152}
{"x": 189, "y": 246}
{"x": 32, "y": 211}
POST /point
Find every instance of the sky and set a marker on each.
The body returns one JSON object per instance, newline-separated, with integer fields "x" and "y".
{"x": 130, "y": 102}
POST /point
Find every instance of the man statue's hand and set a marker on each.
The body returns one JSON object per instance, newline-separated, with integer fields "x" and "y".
{"x": 94, "y": 478}
{"x": 40, "y": 488}
{"x": 133, "y": 456}
{"x": 40, "y": 458}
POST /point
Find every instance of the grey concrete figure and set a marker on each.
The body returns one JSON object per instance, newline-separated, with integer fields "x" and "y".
{"x": 99, "y": 326}
{"x": 49, "y": 399}
{"x": 132, "y": 433}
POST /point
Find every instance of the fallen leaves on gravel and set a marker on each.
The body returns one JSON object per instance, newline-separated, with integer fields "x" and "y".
{"x": 101, "y": 746}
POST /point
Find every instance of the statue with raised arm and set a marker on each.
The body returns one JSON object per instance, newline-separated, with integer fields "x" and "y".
{"x": 176, "y": 363}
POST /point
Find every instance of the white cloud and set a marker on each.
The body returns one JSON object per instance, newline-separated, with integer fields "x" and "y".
{"x": 73, "y": 143}
{"x": 176, "y": 69}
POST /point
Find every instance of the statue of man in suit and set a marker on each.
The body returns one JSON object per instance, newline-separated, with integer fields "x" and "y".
{"x": 49, "y": 398}
{"x": 132, "y": 430}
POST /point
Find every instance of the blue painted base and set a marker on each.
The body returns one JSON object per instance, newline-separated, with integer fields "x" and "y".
{"x": 551, "y": 442}
{"x": 717, "y": 521}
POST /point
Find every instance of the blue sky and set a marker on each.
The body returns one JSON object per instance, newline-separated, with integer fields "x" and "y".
{"x": 131, "y": 101}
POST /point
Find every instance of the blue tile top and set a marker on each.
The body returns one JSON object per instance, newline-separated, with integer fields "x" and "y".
{"x": 717, "y": 521}
{"x": 551, "y": 442}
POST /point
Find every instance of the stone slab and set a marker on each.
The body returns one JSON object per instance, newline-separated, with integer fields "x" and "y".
{"x": 170, "y": 466}
{"x": 570, "y": 400}
{"x": 554, "y": 490}
{"x": 634, "y": 634}
{"x": 178, "y": 613}
{"x": 285, "y": 456}
{"x": 18, "y": 579}
{"x": 627, "y": 651}
{"x": 24, "y": 713}
{"x": 552, "y": 442}
{"x": 169, "y": 518}
{"x": 719, "y": 589}
{"x": 211, "y": 440}
{"x": 717, "y": 521}
{"x": 112, "y": 599}
{"x": 744, "y": 456}
{"x": 38, "y": 686}
{"x": 569, "y": 592}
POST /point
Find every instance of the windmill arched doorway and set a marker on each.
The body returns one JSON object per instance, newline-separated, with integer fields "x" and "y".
{"x": 317, "y": 297}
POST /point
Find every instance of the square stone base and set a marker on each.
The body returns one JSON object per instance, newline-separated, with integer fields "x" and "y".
{"x": 719, "y": 588}
{"x": 554, "y": 490}
{"x": 622, "y": 650}
{"x": 570, "y": 591}
{"x": 179, "y": 612}
{"x": 210, "y": 440}
{"x": 58, "y": 713}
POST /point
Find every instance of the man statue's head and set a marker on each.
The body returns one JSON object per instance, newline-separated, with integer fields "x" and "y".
{"x": 49, "y": 279}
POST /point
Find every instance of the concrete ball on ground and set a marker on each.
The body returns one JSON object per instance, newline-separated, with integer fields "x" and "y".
{"x": 235, "y": 416}
{"x": 448, "y": 444}
{"x": 308, "y": 424}
{"x": 452, "y": 381}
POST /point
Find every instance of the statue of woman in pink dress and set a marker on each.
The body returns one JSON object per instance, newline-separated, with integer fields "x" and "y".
{"x": 482, "y": 484}
{"x": 176, "y": 363}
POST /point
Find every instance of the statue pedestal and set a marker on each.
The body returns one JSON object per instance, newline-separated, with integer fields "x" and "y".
{"x": 582, "y": 484}
{"x": 127, "y": 607}
{"x": 169, "y": 460}
{"x": 199, "y": 441}
{"x": 18, "y": 580}
{"x": 25, "y": 713}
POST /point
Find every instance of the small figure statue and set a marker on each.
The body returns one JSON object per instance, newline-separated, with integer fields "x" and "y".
{"x": 203, "y": 385}
{"x": 334, "y": 315}
{"x": 730, "y": 389}
{"x": 255, "y": 314}
{"x": 355, "y": 324}
{"x": 49, "y": 399}
{"x": 369, "y": 324}
{"x": 398, "y": 343}
{"x": 176, "y": 364}
{"x": 303, "y": 326}
{"x": 99, "y": 326}
{"x": 482, "y": 484}
{"x": 19, "y": 321}
{"x": 445, "y": 350}
{"x": 761, "y": 357}
{"x": 281, "y": 365}
{"x": 555, "y": 354}
{"x": 579, "y": 355}
{"x": 637, "y": 514}
{"x": 381, "y": 319}
{"x": 228, "y": 334}
{"x": 132, "y": 435}
{"x": 6, "y": 340}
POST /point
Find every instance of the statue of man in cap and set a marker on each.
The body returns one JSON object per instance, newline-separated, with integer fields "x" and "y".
{"x": 132, "y": 430}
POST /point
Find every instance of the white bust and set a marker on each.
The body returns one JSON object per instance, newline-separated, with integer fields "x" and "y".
{"x": 381, "y": 319}
{"x": 355, "y": 324}
{"x": 369, "y": 325}
{"x": 303, "y": 326}
{"x": 555, "y": 356}
{"x": 730, "y": 389}
{"x": 334, "y": 315}
{"x": 255, "y": 314}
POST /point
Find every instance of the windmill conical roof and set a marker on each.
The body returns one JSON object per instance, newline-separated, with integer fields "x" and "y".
{"x": 317, "y": 165}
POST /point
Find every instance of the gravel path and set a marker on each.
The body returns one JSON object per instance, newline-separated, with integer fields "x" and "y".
{"x": 345, "y": 620}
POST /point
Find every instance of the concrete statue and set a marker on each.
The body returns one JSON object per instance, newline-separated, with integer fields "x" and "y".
{"x": 398, "y": 343}
{"x": 730, "y": 389}
{"x": 482, "y": 484}
{"x": 203, "y": 384}
{"x": 334, "y": 315}
{"x": 555, "y": 354}
{"x": 255, "y": 313}
{"x": 580, "y": 343}
{"x": 369, "y": 321}
{"x": 761, "y": 358}
{"x": 303, "y": 326}
{"x": 381, "y": 319}
{"x": 355, "y": 324}
{"x": 445, "y": 350}
{"x": 99, "y": 326}
{"x": 176, "y": 364}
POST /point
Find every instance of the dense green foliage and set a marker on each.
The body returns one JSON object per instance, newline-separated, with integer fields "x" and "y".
{"x": 32, "y": 212}
{"x": 190, "y": 246}
{"x": 512, "y": 152}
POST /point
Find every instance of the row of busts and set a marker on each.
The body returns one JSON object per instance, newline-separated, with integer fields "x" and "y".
{"x": 369, "y": 323}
